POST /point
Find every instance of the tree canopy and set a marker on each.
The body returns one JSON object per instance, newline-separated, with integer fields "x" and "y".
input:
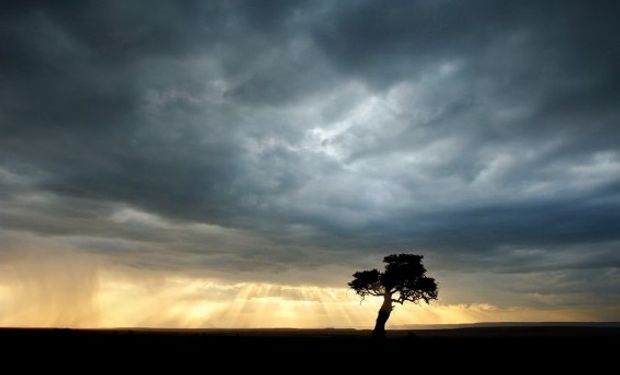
{"x": 403, "y": 279}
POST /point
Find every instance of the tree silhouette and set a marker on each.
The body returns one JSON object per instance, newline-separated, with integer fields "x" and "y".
{"x": 404, "y": 279}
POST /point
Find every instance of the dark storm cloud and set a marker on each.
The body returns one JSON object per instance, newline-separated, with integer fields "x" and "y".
{"x": 472, "y": 130}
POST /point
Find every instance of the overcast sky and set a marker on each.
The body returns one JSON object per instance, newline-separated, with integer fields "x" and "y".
{"x": 294, "y": 142}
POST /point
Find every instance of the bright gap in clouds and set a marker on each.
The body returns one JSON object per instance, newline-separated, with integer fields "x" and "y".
{"x": 68, "y": 291}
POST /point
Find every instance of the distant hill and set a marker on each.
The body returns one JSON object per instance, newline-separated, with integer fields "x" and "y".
{"x": 507, "y": 324}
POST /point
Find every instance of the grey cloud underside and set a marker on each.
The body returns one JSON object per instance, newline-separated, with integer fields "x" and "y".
{"x": 474, "y": 131}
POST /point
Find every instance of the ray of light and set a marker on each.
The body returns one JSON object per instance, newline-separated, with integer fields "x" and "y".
{"x": 115, "y": 299}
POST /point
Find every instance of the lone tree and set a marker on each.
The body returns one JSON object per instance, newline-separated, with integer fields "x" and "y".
{"x": 404, "y": 279}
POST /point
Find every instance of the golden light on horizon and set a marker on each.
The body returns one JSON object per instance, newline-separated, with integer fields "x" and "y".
{"x": 73, "y": 292}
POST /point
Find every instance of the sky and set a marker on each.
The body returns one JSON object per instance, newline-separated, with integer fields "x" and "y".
{"x": 231, "y": 164}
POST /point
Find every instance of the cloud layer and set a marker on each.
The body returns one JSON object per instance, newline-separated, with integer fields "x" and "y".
{"x": 292, "y": 142}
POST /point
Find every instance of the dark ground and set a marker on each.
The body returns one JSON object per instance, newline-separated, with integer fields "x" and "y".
{"x": 498, "y": 349}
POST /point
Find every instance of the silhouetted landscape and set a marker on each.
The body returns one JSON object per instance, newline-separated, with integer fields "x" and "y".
{"x": 549, "y": 344}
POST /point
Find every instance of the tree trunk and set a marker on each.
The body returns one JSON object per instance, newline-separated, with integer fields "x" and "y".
{"x": 383, "y": 316}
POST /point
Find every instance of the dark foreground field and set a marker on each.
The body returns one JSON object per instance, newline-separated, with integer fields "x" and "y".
{"x": 508, "y": 348}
